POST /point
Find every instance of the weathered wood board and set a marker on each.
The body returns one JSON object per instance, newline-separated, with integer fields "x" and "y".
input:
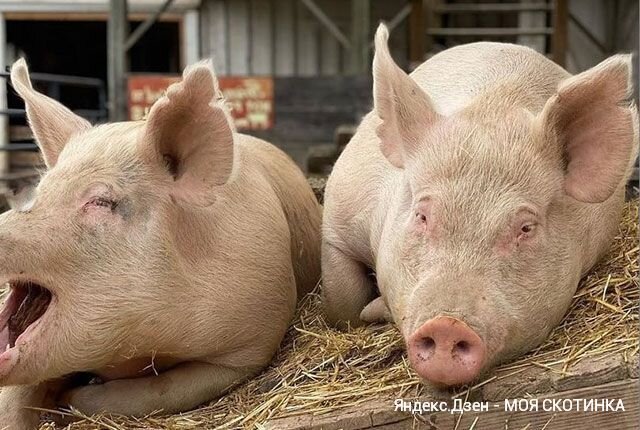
{"x": 613, "y": 377}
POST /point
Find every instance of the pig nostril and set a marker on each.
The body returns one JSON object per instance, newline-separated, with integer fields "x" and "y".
{"x": 462, "y": 346}
{"x": 428, "y": 343}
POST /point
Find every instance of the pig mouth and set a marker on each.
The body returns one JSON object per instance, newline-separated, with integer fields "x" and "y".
{"x": 24, "y": 307}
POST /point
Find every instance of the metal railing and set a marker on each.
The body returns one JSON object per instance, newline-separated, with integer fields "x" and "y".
{"x": 54, "y": 88}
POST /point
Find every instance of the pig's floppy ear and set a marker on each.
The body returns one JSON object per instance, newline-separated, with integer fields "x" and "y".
{"x": 596, "y": 125}
{"x": 405, "y": 110}
{"x": 52, "y": 123}
{"x": 189, "y": 131}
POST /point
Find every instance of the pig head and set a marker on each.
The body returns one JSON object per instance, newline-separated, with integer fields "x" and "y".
{"x": 170, "y": 244}
{"x": 497, "y": 181}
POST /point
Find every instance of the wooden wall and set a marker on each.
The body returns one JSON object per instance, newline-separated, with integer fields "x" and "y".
{"x": 282, "y": 38}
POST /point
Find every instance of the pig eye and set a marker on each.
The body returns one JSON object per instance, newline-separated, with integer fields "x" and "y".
{"x": 100, "y": 202}
{"x": 526, "y": 230}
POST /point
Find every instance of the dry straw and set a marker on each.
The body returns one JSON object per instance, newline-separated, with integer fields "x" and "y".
{"x": 319, "y": 369}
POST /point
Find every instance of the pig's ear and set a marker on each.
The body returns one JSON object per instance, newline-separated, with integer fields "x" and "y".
{"x": 405, "y": 110}
{"x": 189, "y": 131}
{"x": 52, "y": 123}
{"x": 596, "y": 124}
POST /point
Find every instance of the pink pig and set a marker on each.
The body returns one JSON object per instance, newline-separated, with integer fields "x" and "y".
{"x": 163, "y": 256}
{"x": 480, "y": 189}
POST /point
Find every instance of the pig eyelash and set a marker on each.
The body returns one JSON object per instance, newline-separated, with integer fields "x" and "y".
{"x": 101, "y": 202}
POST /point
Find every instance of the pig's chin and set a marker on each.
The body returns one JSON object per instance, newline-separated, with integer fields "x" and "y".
{"x": 21, "y": 317}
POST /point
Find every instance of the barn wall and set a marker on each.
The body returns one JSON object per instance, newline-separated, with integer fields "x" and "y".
{"x": 613, "y": 23}
{"x": 282, "y": 38}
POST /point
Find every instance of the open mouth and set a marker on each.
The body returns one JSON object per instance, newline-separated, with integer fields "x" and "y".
{"x": 23, "y": 308}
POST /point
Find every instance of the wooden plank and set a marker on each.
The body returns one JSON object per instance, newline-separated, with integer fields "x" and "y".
{"x": 284, "y": 38}
{"x": 307, "y": 46}
{"x": 82, "y": 16}
{"x": 473, "y": 32}
{"x": 239, "y": 37}
{"x": 560, "y": 24}
{"x": 261, "y": 38}
{"x": 381, "y": 414}
{"x": 334, "y": 101}
{"x": 491, "y": 7}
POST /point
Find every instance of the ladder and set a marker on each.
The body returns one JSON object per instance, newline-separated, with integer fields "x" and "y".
{"x": 540, "y": 24}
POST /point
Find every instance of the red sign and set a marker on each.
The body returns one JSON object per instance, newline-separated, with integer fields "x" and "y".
{"x": 250, "y": 99}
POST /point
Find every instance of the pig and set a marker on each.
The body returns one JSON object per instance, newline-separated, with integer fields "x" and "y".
{"x": 479, "y": 190}
{"x": 163, "y": 257}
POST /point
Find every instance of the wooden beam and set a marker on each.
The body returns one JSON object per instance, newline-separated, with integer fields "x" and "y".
{"x": 381, "y": 414}
{"x": 491, "y": 7}
{"x": 327, "y": 22}
{"x": 417, "y": 32}
{"x": 83, "y": 16}
{"x": 146, "y": 25}
{"x": 603, "y": 49}
{"x": 476, "y": 31}
{"x": 559, "y": 38}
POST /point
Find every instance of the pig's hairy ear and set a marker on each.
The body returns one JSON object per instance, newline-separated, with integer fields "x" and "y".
{"x": 596, "y": 124}
{"x": 189, "y": 131}
{"x": 404, "y": 109}
{"x": 52, "y": 123}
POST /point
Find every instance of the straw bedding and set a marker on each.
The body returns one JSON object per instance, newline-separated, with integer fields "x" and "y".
{"x": 319, "y": 370}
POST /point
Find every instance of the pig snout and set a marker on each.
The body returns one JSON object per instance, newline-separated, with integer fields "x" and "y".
{"x": 446, "y": 351}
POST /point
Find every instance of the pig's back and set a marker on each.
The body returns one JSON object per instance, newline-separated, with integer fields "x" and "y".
{"x": 298, "y": 202}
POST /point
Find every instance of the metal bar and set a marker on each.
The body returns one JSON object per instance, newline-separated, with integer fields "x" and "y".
{"x": 587, "y": 33}
{"x": 13, "y": 112}
{"x": 85, "y": 113}
{"x": 560, "y": 31}
{"x": 142, "y": 28}
{"x": 491, "y": 7}
{"x": 80, "y": 81}
{"x": 326, "y": 21}
{"x": 14, "y": 147}
{"x": 488, "y": 31}
{"x": 117, "y": 61}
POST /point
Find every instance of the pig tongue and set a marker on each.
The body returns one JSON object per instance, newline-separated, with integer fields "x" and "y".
{"x": 33, "y": 305}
